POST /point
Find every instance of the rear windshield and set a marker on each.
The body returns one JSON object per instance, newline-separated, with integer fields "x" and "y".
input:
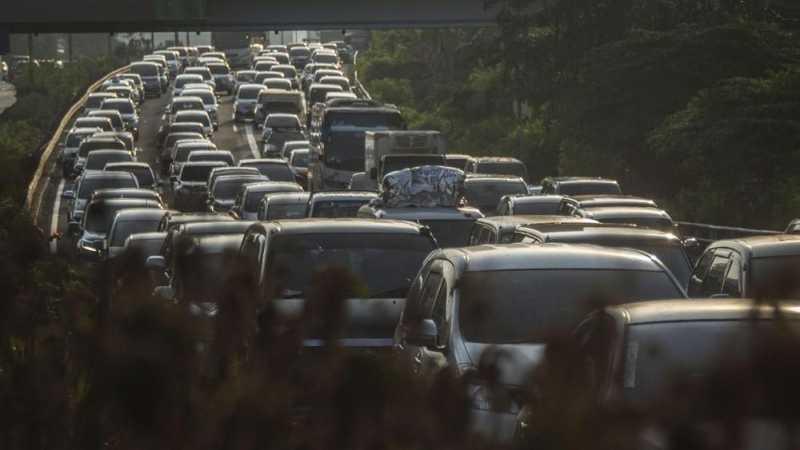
{"x": 206, "y": 74}
{"x": 249, "y": 76}
{"x": 270, "y": 107}
{"x": 299, "y": 51}
{"x": 183, "y": 81}
{"x": 188, "y": 106}
{"x": 518, "y": 306}
{"x": 276, "y": 172}
{"x": 326, "y": 58}
{"x": 286, "y": 211}
{"x": 87, "y": 147}
{"x": 194, "y": 173}
{"x": 122, "y": 107}
{"x": 89, "y": 122}
{"x": 129, "y": 227}
{"x": 228, "y": 189}
{"x": 537, "y": 207}
{"x": 508, "y": 168}
{"x": 249, "y": 93}
{"x": 219, "y": 69}
{"x": 143, "y": 175}
{"x": 95, "y": 101}
{"x": 207, "y": 97}
{"x": 98, "y": 161}
{"x": 215, "y": 156}
{"x": 338, "y": 208}
{"x": 199, "y": 118}
{"x": 450, "y": 233}
{"x": 145, "y": 70}
{"x": 283, "y": 122}
{"x": 88, "y": 186}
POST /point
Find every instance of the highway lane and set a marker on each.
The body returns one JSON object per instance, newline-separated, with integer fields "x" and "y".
{"x": 240, "y": 139}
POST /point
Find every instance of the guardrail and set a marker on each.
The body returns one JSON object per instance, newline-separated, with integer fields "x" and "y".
{"x": 361, "y": 92}
{"x": 36, "y": 187}
{"x": 707, "y": 233}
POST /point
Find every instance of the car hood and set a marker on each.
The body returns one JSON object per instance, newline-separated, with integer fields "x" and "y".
{"x": 515, "y": 361}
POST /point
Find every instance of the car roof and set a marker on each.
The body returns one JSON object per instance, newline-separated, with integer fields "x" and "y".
{"x": 763, "y": 246}
{"x": 702, "y": 310}
{"x": 221, "y": 226}
{"x": 187, "y": 99}
{"x": 191, "y": 112}
{"x": 605, "y": 232}
{"x": 276, "y": 161}
{"x": 108, "y": 152}
{"x": 216, "y": 164}
{"x": 140, "y": 213}
{"x": 485, "y": 178}
{"x": 496, "y": 159}
{"x": 239, "y": 177}
{"x": 269, "y": 186}
{"x": 432, "y": 213}
{"x": 525, "y": 198}
{"x": 129, "y": 164}
{"x": 84, "y": 130}
{"x": 575, "y": 180}
{"x": 212, "y": 152}
{"x": 92, "y": 174}
{"x": 550, "y": 257}
{"x": 625, "y": 212}
{"x": 104, "y": 94}
{"x": 216, "y": 243}
{"x": 342, "y": 195}
{"x": 532, "y": 219}
{"x": 287, "y": 197}
{"x": 153, "y": 235}
{"x": 343, "y": 226}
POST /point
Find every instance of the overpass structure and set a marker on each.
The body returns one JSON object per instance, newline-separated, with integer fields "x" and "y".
{"x": 59, "y": 16}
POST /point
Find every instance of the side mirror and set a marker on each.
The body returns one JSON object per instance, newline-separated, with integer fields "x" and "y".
{"x": 68, "y": 195}
{"x": 423, "y": 334}
{"x": 165, "y": 293}
{"x": 373, "y": 173}
{"x": 155, "y": 263}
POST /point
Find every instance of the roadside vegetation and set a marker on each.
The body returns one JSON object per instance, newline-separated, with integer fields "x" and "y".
{"x": 616, "y": 89}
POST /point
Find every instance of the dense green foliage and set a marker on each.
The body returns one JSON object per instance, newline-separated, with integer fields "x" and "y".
{"x": 601, "y": 86}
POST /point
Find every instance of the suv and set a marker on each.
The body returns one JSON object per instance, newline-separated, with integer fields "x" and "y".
{"x": 151, "y": 78}
{"x": 94, "y": 144}
{"x": 272, "y": 168}
{"x": 99, "y": 220}
{"x": 223, "y": 191}
{"x": 142, "y": 171}
{"x": 279, "y": 128}
{"x": 95, "y": 100}
{"x": 514, "y": 205}
{"x": 494, "y": 165}
{"x": 511, "y": 298}
{"x": 485, "y": 191}
{"x": 223, "y": 77}
{"x": 764, "y": 267}
{"x": 189, "y": 189}
{"x": 244, "y": 106}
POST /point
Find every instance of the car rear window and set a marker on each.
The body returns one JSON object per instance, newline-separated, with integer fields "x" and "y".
{"x": 98, "y": 161}
{"x": 122, "y": 107}
{"x": 196, "y": 173}
{"x": 215, "y": 156}
{"x": 145, "y": 70}
{"x": 219, "y": 69}
{"x": 88, "y": 186}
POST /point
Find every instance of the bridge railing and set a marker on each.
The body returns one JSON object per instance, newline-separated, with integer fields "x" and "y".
{"x": 707, "y": 233}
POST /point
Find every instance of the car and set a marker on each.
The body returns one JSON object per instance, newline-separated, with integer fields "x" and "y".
{"x": 164, "y": 74}
{"x": 138, "y": 81}
{"x": 92, "y": 144}
{"x": 103, "y": 123}
{"x": 283, "y": 205}
{"x": 170, "y": 140}
{"x": 793, "y": 227}
{"x": 230, "y": 170}
{"x": 141, "y": 246}
{"x": 205, "y": 73}
{"x": 501, "y": 229}
{"x": 189, "y": 187}
{"x": 298, "y": 162}
{"x": 210, "y": 103}
{"x": 333, "y": 204}
{"x": 279, "y": 128}
{"x": 514, "y": 205}
{"x": 115, "y": 116}
{"x": 201, "y": 117}
{"x": 495, "y": 165}
{"x": 223, "y": 77}
{"x": 280, "y": 102}
{"x": 340, "y": 96}
{"x": 127, "y": 139}
{"x": 250, "y": 195}
{"x": 183, "y": 55}
{"x": 485, "y": 191}
{"x": 308, "y": 75}
{"x": 97, "y": 221}
{"x": 145, "y": 177}
{"x": 182, "y": 80}
{"x": 127, "y": 110}
{"x": 281, "y": 57}
{"x": 272, "y": 168}
{"x": 289, "y": 72}
{"x": 244, "y": 105}
{"x": 575, "y": 202}
{"x": 94, "y": 100}
{"x": 124, "y": 92}
{"x": 244, "y": 77}
{"x": 318, "y": 91}
{"x": 510, "y": 299}
{"x": 180, "y": 154}
{"x": 288, "y": 146}
{"x": 223, "y": 156}
{"x": 223, "y": 191}
{"x": 325, "y": 57}
{"x": 382, "y": 255}
{"x": 654, "y": 218}
{"x": 68, "y": 153}
{"x": 580, "y": 186}
{"x": 187, "y": 126}
{"x": 341, "y": 81}
{"x": 322, "y": 72}
{"x": 98, "y": 159}
{"x": 183, "y": 103}
{"x": 203, "y": 49}
{"x": 299, "y": 57}
{"x": 654, "y": 356}
{"x": 127, "y": 222}
{"x": 763, "y": 267}
{"x": 665, "y": 246}
{"x": 150, "y": 76}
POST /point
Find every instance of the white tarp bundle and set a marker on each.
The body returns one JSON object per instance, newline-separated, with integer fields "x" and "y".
{"x": 424, "y": 187}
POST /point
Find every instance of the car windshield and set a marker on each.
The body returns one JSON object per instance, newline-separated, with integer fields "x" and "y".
{"x": 123, "y": 229}
{"x": 537, "y": 207}
{"x": 300, "y": 160}
{"x": 275, "y": 172}
{"x": 94, "y": 101}
{"x": 515, "y": 306}
{"x": 775, "y": 277}
{"x": 589, "y": 188}
{"x": 382, "y": 264}
{"x": 450, "y": 233}
{"x": 338, "y": 208}
{"x": 74, "y": 139}
{"x": 228, "y": 189}
{"x": 486, "y": 195}
{"x": 196, "y": 173}
{"x": 205, "y": 74}
{"x": 122, "y": 107}
{"x": 658, "y": 353}
{"x": 144, "y": 70}
{"x": 98, "y": 161}
{"x": 143, "y": 175}
{"x": 286, "y": 211}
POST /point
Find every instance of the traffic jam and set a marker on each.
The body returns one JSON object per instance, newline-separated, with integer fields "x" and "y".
{"x": 452, "y": 255}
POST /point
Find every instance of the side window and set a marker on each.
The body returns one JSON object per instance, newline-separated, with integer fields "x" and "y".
{"x": 699, "y": 273}
{"x": 415, "y": 300}
{"x": 732, "y": 285}
{"x": 475, "y": 235}
{"x": 487, "y": 236}
{"x": 502, "y": 208}
{"x": 712, "y": 284}
{"x": 439, "y": 314}
{"x": 430, "y": 290}
{"x": 506, "y": 238}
